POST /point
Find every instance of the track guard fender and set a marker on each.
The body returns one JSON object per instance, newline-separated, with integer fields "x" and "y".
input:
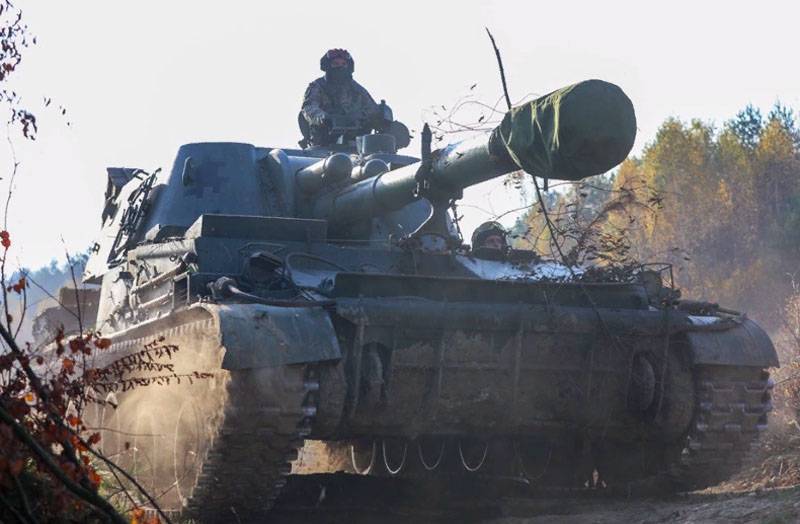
{"x": 743, "y": 344}
{"x": 256, "y": 335}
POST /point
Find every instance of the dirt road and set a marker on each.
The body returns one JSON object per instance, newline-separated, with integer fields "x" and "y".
{"x": 352, "y": 499}
{"x": 772, "y": 506}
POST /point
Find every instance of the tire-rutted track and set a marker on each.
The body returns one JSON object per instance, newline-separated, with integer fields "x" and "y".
{"x": 250, "y": 459}
{"x": 731, "y": 412}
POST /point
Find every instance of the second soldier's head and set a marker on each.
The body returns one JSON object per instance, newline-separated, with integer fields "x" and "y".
{"x": 338, "y": 65}
{"x": 490, "y": 235}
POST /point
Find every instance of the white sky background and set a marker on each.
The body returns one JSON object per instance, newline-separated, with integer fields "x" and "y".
{"x": 140, "y": 78}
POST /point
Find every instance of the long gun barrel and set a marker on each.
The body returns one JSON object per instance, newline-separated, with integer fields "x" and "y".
{"x": 575, "y": 132}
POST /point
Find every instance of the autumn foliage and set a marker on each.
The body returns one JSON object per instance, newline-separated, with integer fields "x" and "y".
{"x": 46, "y": 394}
{"x": 731, "y": 207}
{"x": 48, "y": 460}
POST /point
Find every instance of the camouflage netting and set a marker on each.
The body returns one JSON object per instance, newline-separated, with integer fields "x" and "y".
{"x": 578, "y": 131}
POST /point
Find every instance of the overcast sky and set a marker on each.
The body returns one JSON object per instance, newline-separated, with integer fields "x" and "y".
{"x": 140, "y": 78}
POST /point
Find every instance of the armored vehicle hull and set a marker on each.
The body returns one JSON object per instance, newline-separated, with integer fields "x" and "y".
{"x": 344, "y": 309}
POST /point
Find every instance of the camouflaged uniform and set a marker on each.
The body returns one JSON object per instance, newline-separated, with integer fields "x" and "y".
{"x": 349, "y": 99}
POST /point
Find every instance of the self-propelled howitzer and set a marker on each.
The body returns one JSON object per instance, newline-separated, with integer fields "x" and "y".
{"x": 310, "y": 284}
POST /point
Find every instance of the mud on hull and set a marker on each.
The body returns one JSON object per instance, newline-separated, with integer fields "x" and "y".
{"x": 413, "y": 368}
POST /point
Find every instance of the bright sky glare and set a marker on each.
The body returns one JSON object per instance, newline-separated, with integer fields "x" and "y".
{"x": 140, "y": 78}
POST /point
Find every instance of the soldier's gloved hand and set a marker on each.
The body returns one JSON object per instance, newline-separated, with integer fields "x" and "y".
{"x": 323, "y": 121}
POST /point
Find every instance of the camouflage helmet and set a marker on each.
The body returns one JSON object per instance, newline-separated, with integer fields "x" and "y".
{"x": 486, "y": 230}
{"x": 331, "y": 54}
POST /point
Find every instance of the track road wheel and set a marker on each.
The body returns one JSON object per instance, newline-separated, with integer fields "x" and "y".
{"x": 430, "y": 452}
{"x": 394, "y": 452}
{"x": 472, "y": 453}
{"x": 533, "y": 457}
{"x": 364, "y": 456}
{"x": 145, "y": 445}
{"x": 191, "y": 441}
{"x": 111, "y": 440}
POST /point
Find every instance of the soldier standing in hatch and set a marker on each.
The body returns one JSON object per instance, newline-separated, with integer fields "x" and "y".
{"x": 336, "y": 101}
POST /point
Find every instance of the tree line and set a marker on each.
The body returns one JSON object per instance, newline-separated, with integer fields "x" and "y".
{"x": 720, "y": 204}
